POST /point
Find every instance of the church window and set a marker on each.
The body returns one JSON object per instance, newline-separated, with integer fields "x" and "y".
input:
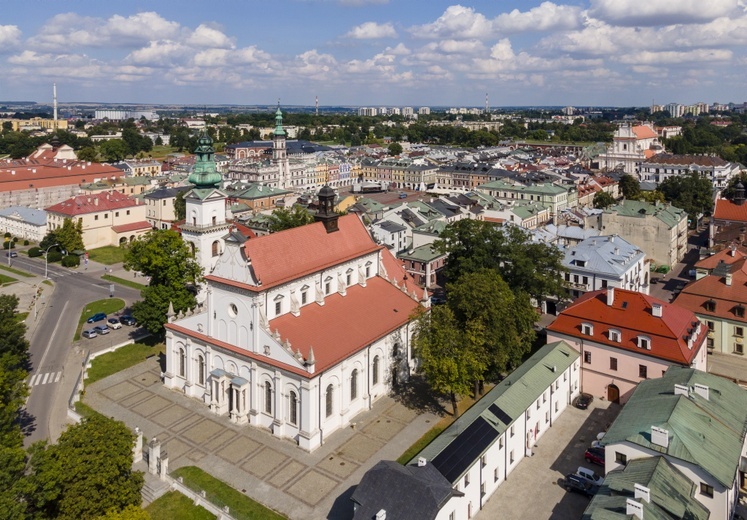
{"x": 182, "y": 362}
{"x": 329, "y": 400}
{"x": 304, "y": 297}
{"x": 268, "y": 397}
{"x": 327, "y": 287}
{"x": 292, "y": 408}
{"x": 233, "y": 310}
{"x": 354, "y": 385}
{"x": 216, "y": 248}
{"x": 375, "y": 369}
{"x": 201, "y": 370}
{"x": 215, "y": 220}
{"x": 348, "y": 279}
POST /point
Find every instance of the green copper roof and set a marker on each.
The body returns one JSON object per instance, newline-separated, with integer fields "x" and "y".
{"x": 705, "y": 432}
{"x": 205, "y": 175}
{"x": 668, "y": 214}
{"x": 672, "y": 493}
{"x": 279, "y": 123}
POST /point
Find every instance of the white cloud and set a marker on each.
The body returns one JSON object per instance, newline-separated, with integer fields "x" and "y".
{"x": 472, "y": 47}
{"x": 160, "y": 53}
{"x": 457, "y": 22}
{"x": 545, "y": 17}
{"x": 660, "y": 12}
{"x": 10, "y": 36}
{"x": 209, "y": 37}
{"x": 372, "y": 30}
{"x": 674, "y": 57}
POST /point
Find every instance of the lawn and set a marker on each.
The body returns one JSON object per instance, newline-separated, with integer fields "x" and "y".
{"x": 107, "y": 306}
{"x": 122, "y": 358}
{"x": 108, "y": 255}
{"x": 16, "y": 271}
{"x": 122, "y": 281}
{"x": 221, "y": 494}
{"x": 6, "y": 279}
{"x": 175, "y": 505}
{"x": 161, "y": 151}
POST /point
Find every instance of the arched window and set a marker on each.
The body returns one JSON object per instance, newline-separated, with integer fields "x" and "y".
{"x": 268, "y": 397}
{"x": 182, "y": 362}
{"x": 375, "y": 369}
{"x": 354, "y": 385}
{"x": 216, "y": 248}
{"x": 293, "y": 408}
{"x": 200, "y": 370}
{"x": 328, "y": 397}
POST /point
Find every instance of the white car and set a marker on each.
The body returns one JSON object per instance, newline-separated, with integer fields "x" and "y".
{"x": 114, "y": 323}
{"x": 589, "y": 476}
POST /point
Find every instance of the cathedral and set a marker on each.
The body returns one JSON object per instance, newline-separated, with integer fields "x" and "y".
{"x": 299, "y": 331}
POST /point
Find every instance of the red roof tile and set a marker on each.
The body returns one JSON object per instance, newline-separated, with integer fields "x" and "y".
{"x": 644, "y": 132}
{"x": 631, "y": 315}
{"x": 95, "y": 203}
{"x": 133, "y": 226}
{"x": 727, "y": 210}
{"x": 726, "y": 297}
{"x": 710, "y": 262}
{"x": 293, "y": 253}
{"x": 346, "y": 324}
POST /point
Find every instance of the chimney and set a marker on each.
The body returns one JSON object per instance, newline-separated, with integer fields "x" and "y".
{"x": 381, "y": 515}
{"x": 633, "y": 508}
{"x": 681, "y": 390}
{"x": 702, "y": 390}
{"x": 656, "y": 310}
{"x": 610, "y": 296}
{"x": 422, "y": 461}
{"x": 727, "y": 279}
{"x": 642, "y": 492}
{"x": 659, "y": 436}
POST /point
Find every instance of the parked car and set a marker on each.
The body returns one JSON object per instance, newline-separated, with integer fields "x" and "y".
{"x": 578, "y": 485}
{"x": 595, "y": 456}
{"x": 99, "y": 316}
{"x": 589, "y": 476}
{"x": 436, "y": 300}
{"x": 127, "y": 320}
{"x": 583, "y": 401}
{"x": 403, "y": 195}
{"x": 101, "y": 329}
{"x": 114, "y": 323}
{"x": 12, "y": 254}
{"x": 89, "y": 334}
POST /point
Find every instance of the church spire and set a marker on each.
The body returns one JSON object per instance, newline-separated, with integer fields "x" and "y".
{"x": 279, "y": 122}
{"x": 205, "y": 173}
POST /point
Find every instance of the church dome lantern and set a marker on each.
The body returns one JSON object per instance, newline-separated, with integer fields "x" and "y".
{"x": 205, "y": 173}
{"x": 326, "y": 213}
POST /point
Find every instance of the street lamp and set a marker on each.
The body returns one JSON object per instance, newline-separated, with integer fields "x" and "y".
{"x": 46, "y": 260}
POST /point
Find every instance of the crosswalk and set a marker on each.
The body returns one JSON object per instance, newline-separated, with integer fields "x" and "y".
{"x": 45, "y": 378}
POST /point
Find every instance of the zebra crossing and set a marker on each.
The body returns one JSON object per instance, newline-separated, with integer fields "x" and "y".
{"x": 45, "y": 378}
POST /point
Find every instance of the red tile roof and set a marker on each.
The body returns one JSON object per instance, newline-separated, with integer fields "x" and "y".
{"x": 631, "y": 314}
{"x": 95, "y": 203}
{"x": 726, "y": 297}
{"x": 31, "y": 173}
{"x": 686, "y": 160}
{"x": 727, "y": 210}
{"x": 346, "y": 324}
{"x": 133, "y": 226}
{"x": 710, "y": 262}
{"x": 290, "y": 254}
{"x": 644, "y": 132}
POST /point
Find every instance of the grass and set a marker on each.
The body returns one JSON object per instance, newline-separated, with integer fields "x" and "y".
{"x": 175, "y": 505}
{"x": 161, "y": 151}
{"x": 108, "y": 255}
{"x": 84, "y": 410}
{"x": 122, "y": 358}
{"x": 122, "y": 281}
{"x": 6, "y": 279}
{"x": 21, "y": 316}
{"x": 16, "y": 271}
{"x": 106, "y": 306}
{"x": 221, "y": 494}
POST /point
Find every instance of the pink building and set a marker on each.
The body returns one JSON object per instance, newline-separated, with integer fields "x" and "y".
{"x": 624, "y": 337}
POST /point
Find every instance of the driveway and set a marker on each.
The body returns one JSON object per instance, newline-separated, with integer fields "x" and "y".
{"x": 532, "y": 489}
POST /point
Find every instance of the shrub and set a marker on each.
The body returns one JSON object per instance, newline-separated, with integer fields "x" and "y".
{"x": 8, "y": 234}
{"x": 70, "y": 261}
{"x": 25, "y": 242}
{"x": 54, "y": 256}
{"x": 9, "y": 245}
{"x": 15, "y": 239}
{"x": 34, "y": 252}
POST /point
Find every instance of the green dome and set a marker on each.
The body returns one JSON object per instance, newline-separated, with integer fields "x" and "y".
{"x": 205, "y": 174}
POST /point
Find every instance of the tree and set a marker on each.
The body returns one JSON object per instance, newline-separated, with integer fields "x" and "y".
{"x": 128, "y": 513}
{"x": 602, "y": 200}
{"x": 731, "y": 187}
{"x": 692, "y": 192}
{"x": 87, "y": 473}
{"x": 70, "y": 236}
{"x": 283, "y": 218}
{"x": 630, "y": 187}
{"x": 113, "y": 150}
{"x": 88, "y": 153}
{"x": 162, "y": 255}
{"x": 180, "y": 205}
{"x": 395, "y": 149}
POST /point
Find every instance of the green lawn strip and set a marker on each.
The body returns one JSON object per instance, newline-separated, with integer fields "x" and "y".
{"x": 122, "y": 281}
{"x": 6, "y": 279}
{"x": 107, "y": 255}
{"x": 175, "y": 505}
{"x": 107, "y": 306}
{"x": 421, "y": 443}
{"x": 16, "y": 271}
{"x": 122, "y": 358}
{"x": 221, "y": 494}
{"x": 84, "y": 410}
{"x": 21, "y": 316}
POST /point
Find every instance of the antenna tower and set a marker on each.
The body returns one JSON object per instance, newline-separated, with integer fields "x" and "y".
{"x": 54, "y": 95}
{"x": 316, "y": 104}
{"x": 487, "y": 105}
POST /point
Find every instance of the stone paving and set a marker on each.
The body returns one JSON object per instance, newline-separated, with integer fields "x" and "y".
{"x": 272, "y": 471}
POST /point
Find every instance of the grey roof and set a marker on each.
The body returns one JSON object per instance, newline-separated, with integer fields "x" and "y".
{"x": 404, "y": 492}
{"x": 391, "y": 227}
{"x": 610, "y": 255}
{"x": 35, "y": 217}
{"x": 164, "y": 193}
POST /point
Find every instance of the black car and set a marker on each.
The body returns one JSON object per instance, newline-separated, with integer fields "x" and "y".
{"x": 577, "y": 484}
{"x": 127, "y": 320}
{"x": 583, "y": 401}
{"x": 12, "y": 254}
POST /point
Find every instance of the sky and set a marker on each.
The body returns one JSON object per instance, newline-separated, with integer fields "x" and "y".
{"x": 375, "y": 52}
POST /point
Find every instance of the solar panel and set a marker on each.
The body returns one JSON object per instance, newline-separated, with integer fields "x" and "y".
{"x": 464, "y": 450}
{"x": 498, "y": 412}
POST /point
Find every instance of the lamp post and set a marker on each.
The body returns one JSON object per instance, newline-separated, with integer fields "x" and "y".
{"x": 46, "y": 260}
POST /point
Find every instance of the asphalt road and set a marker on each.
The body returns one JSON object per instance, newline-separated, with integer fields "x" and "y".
{"x": 52, "y": 340}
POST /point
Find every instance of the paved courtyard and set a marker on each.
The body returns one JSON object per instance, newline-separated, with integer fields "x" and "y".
{"x": 272, "y": 471}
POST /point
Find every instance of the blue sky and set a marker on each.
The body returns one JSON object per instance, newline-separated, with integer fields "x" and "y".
{"x": 376, "y": 52}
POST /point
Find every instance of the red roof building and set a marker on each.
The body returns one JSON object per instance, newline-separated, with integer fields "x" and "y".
{"x": 625, "y": 337}
{"x": 729, "y": 222}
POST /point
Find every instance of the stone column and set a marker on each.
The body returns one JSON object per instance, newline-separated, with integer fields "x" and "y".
{"x": 137, "y": 450}
{"x": 154, "y": 453}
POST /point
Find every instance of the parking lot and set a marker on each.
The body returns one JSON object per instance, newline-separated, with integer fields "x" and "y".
{"x": 559, "y": 452}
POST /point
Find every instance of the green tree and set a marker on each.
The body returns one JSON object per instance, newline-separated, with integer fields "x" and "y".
{"x": 86, "y": 474}
{"x": 113, "y": 150}
{"x": 180, "y": 205}
{"x": 128, "y": 513}
{"x": 652, "y": 196}
{"x": 70, "y": 236}
{"x": 692, "y": 192}
{"x": 284, "y": 218}
{"x": 602, "y": 200}
{"x": 395, "y": 149}
{"x": 450, "y": 359}
{"x": 630, "y": 187}
{"x": 88, "y": 153}
{"x": 162, "y": 255}
{"x": 731, "y": 187}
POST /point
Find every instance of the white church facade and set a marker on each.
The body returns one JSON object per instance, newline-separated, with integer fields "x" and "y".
{"x": 299, "y": 331}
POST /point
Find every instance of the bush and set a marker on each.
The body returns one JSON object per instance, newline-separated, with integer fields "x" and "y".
{"x": 9, "y": 245}
{"x": 25, "y": 242}
{"x": 34, "y": 252}
{"x": 15, "y": 239}
{"x": 8, "y": 235}
{"x": 70, "y": 261}
{"x": 54, "y": 256}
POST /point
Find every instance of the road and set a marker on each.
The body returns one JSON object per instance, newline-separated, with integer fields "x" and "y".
{"x": 52, "y": 339}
